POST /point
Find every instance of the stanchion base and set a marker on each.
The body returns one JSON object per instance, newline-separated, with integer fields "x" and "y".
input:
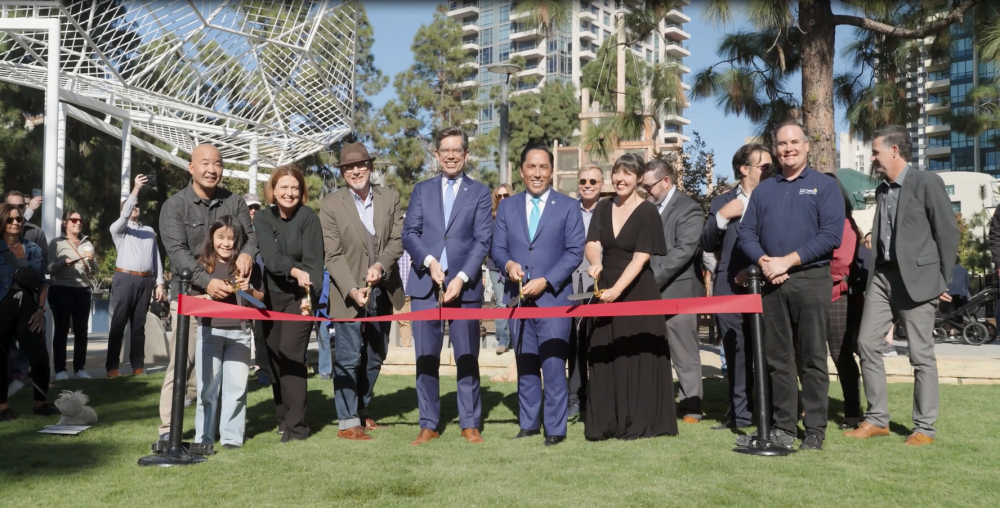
{"x": 167, "y": 460}
{"x": 763, "y": 448}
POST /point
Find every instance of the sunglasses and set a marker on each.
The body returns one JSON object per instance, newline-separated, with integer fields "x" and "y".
{"x": 584, "y": 181}
{"x": 74, "y": 221}
{"x": 503, "y": 196}
{"x": 763, "y": 167}
{"x": 15, "y": 220}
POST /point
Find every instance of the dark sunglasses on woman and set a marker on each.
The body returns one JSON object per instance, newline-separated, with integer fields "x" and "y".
{"x": 584, "y": 181}
{"x": 11, "y": 220}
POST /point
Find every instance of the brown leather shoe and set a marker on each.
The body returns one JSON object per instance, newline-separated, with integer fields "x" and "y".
{"x": 371, "y": 425}
{"x": 425, "y": 437}
{"x": 113, "y": 373}
{"x": 472, "y": 435}
{"x": 138, "y": 372}
{"x": 919, "y": 439}
{"x": 867, "y": 430}
{"x": 691, "y": 419}
{"x": 354, "y": 434}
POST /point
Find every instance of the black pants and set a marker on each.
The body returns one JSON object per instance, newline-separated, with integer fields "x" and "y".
{"x": 69, "y": 303}
{"x": 797, "y": 312}
{"x": 578, "y": 345}
{"x": 15, "y": 310}
{"x": 738, "y": 349}
{"x": 130, "y": 296}
{"x": 287, "y": 342}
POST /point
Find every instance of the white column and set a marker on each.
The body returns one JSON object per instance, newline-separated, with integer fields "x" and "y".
{"x": 126, "y": 158}
{"x": 252, "y": 170}
{"x": 55, "y": 139}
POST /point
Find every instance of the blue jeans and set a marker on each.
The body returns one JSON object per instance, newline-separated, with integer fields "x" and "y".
{"x": 503, "y": 334}
{"x": 361, "y": 350}
{"x": 325, "y": 359}
{"x": 222, "y": 360}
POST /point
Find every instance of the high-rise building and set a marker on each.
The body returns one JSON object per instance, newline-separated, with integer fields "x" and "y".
{"x": 854, "y": 154}
{"x": 494, "y": 33}
{"x": 940, "y": 87}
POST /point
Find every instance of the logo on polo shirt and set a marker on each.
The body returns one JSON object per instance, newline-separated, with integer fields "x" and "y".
{"x": 807, "y": 191}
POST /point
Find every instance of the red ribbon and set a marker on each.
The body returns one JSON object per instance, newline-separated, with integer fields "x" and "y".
{"x": 738, "y": 304}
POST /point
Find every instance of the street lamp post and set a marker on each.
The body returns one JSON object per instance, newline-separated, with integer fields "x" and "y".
{"x": 506, "y": 69}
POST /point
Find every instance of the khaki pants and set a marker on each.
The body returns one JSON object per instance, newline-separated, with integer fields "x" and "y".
{"x": 405, "y": 332}
{"x": 167, "y": 392}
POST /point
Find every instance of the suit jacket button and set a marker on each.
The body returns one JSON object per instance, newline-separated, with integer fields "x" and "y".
{"x": 445, "y": 237}
{"x": 530, "y": 249}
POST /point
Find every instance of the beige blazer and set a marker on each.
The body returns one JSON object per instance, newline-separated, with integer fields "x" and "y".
{"x": 347, "y": 259}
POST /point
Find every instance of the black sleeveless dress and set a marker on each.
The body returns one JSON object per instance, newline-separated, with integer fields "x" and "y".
{"x": 631, "y": 389}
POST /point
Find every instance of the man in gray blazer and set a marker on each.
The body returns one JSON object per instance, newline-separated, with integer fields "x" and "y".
{"x": 914, "y": 242}
{"x": 677, "y": 275}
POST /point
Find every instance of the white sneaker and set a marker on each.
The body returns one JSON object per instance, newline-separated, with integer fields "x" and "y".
{"x": 888, "y": 350}
{"x": 62, "y": 376}
{"x": 82, "y": 374}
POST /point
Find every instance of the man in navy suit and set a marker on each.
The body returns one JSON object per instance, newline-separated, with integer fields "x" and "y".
{"x": 538, "y": 241}
{"x": 751, "y": 163}
{"x": 447, "y": 233}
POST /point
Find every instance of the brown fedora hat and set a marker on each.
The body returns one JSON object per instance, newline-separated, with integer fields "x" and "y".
{"x": 352, "y": 153}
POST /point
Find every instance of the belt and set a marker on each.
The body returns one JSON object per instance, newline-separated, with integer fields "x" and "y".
{"x": 137, "y": 274}
{"x": 887, "y": 266}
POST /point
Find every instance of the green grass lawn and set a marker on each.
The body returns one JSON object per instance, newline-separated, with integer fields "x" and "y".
{"x": 696, "y": 468}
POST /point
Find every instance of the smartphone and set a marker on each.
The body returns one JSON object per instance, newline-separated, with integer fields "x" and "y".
{"x": 151, "y": 180}
{"x": 36, "y": 192}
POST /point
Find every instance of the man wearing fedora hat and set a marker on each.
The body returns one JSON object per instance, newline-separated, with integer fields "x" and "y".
{"x": 362, "y": 237}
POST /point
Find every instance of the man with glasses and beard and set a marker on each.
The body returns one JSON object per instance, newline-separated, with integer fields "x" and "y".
{"x": 362, "y": 239}
{"x": 591, "y": 179}
{"x": 751, "y": 163}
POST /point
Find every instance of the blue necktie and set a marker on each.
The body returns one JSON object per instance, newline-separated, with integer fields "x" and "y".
{"x": 534, "y": 218}
{"x": 449, "y": 202}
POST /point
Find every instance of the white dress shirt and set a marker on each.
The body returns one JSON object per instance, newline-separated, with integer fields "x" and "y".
{"x": 670, "y": 194}
{"x": 444, "y": 188}
{"x": 741, "y": 195}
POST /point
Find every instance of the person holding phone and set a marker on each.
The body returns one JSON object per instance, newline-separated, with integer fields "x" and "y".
{"x": 138, "y": 275}
{"x": 72, "y": 268}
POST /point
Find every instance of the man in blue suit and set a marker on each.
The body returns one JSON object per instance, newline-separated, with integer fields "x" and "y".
{"x": 538, "y": 242}
{"x": 447, "y": 233}
{"x": 751, "y": 163}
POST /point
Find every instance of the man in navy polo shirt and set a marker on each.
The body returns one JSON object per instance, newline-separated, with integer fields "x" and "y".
{"x": 792, "y": 224}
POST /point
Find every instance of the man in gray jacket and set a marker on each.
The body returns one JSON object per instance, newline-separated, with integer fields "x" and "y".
{"x": 914, "y": 243}
{"x": 677, "y": 275}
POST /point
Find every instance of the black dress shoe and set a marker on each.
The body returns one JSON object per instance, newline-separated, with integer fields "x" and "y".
{"x": 574, "y": 410}
{"x": 811, "y": 442}
{"x": 729, "y": 425}
{"x": 554, "y": 440}
{"x": 6, "y": 415}
{"x": 44, "y": 410}
{"x": 527, "y": 433}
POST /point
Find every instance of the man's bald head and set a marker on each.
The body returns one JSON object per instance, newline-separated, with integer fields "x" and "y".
{"x": 205, "y": 168}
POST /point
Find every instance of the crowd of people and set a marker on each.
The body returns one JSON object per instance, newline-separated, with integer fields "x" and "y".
{"x": 829, "y": 289}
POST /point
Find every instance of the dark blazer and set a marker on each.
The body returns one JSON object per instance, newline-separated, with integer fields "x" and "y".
{"x": 677, "y": 273}
{"x": 724, "y": 243}
{"x": 926, "y": 238}
{"x": 347, "y": 258}
{"x": 468, "y": 235}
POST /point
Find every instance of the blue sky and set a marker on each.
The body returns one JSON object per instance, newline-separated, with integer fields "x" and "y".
{"x": 395, "y": 23}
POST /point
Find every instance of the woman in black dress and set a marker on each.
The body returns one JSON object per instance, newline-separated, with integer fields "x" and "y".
{"x": 631, "y": 386}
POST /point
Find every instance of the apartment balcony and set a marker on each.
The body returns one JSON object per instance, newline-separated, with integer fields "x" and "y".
{"x": 676, "y": 120}
{"x": 471, "y": 47}
{"x": 937, "y": 129}
{"x": 533, "y": 89}
{"x": 940, "y": 85}
{"x": 940, "y": 150}
{"x": 933, "y": 65}
{"x": 675, "y": 138}
{"x": 515, "y": 16}
{"x": 524, "y": 33}
{"x": 588, "y": 16}
{"x": 935, "y": 108}
{"x": 537, "y": 71}
{"x": 460, "y": 11}
{"x": 587, "y": 55}
{"x": 676, "y": 16}
{"x": 588, "y": 35}
{"x": 674, "y": 32}
{"x": 676, "y": 50}
{"x": 469, "y": 83}
{"x": 535, "y": 51}
{"x": 470, "y": 29}
{"x": 685, "y": 86}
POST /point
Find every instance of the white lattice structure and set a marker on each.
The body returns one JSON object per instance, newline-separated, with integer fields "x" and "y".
{"x": 228, "y": 72}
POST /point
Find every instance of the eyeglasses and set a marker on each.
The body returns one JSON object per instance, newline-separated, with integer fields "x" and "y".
{"x": 592, "y": 181}
{"x": 74, "y": 220}
{"x": 649, "y": 187}
{"x": 12, "y": 220}
{"x": 356, "y": 169}
{"x": 763, "y": 167}
{"x": 503, "y": 196}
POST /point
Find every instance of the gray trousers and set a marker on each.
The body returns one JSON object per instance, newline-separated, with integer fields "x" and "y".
{"x": 886, "y": 300}
{"x": 685, "y": 354}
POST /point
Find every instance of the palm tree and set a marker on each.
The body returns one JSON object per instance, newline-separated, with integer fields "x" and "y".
{"x": 810, "y": 38}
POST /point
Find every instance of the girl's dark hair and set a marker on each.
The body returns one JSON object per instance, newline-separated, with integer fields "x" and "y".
{"x": 208, "y": 257}
{"x": 631, "y": 163}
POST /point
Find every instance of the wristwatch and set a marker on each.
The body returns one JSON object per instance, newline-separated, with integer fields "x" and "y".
{"x": 41, "y": 308}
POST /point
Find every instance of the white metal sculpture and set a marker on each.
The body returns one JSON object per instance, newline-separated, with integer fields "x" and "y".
{"x": 268, "y": 82}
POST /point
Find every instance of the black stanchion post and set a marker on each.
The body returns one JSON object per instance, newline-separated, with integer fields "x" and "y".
{"x": 762, "y": 444}
{"x": 175, "y": 454}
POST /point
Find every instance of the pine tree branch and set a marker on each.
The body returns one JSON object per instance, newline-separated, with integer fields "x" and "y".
{"x": 955, "y": 16}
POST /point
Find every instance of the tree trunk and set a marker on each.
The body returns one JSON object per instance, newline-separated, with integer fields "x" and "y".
{"x": 818, "y": 47}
